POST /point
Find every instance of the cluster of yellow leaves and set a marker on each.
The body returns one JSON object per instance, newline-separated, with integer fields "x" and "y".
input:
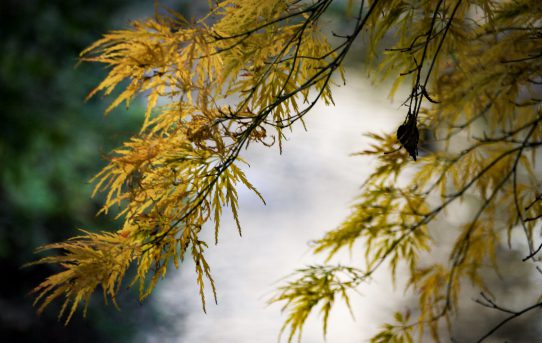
{"x": 89, "y": 261}
{"x": 317, "y": 287}
{"x": 477, "y": 61}
{"x": 482, "y": 64}
{"x": 182, "y": 169}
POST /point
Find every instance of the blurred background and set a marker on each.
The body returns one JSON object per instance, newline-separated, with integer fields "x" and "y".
{"x": 52, "y": 143}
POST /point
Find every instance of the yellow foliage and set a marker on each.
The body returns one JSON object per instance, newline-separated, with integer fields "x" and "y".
{"x": 250, "y": 69}
{"x": 182, "y": 169}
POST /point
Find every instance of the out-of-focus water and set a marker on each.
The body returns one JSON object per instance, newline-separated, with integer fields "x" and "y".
{"x": 308, "y": 190}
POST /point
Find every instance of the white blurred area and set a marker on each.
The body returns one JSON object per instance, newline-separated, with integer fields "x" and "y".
{"x": 308, "y": 189}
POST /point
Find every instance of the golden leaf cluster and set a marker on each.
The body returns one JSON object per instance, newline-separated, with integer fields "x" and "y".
{"x": 250, "y": 69}
{"x": 183, "y": 167}
{"x": 474, "y": 71}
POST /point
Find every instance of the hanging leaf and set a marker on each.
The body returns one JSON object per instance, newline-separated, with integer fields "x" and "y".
{"x": 408, "y": 135}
